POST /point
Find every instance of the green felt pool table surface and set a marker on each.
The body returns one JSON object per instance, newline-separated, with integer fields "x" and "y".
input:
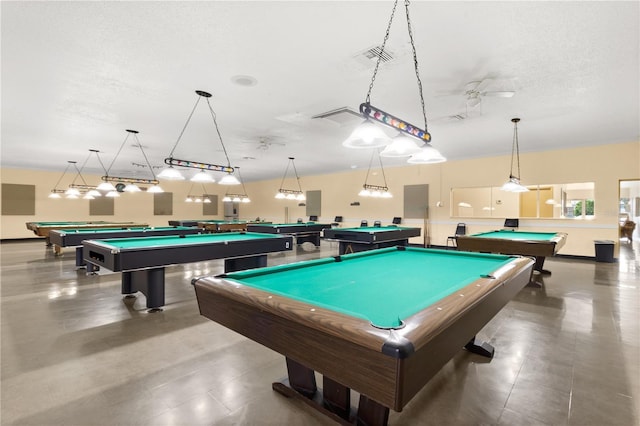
{"x": 381, "y": 322}
{"x": 175, "y": 240}
{"x": 133, "y": 229}
{"x": 517, "y": 235}
{"x": 382, "y": 286}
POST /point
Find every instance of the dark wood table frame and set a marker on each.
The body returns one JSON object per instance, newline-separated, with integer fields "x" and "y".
{"x": 387, "y": 367}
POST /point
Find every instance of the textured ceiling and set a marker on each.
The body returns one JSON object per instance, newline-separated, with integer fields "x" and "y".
{"x": 75, "y": 75}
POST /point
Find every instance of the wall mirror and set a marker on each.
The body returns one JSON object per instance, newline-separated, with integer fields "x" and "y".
{"x": 554, "y": 201}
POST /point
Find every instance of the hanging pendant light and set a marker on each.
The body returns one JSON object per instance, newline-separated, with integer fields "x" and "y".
{"x": 375, "y": 191}
{"x": 427, "y": 155}
{"x": 513, "y": 184}
{"x": 155, "y": 189}
{"x": 367, "y": 135}
{"x": 401, "y": 146}
{"x": 411, "y": 138}
{"x": 202, "y": 177}
{"x": 229, "y": 179}
{"x": 55, "y": 192}
{"x": 170, "y": 173}
{"x": 290, "y": 194}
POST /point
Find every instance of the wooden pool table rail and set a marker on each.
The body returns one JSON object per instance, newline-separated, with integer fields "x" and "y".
{"x": 386, "y": 366}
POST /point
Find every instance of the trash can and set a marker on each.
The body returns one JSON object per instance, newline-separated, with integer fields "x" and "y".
{"x": 604, "y": 251}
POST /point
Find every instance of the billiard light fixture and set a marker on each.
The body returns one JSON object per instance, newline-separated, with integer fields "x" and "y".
{"x": 171, "y": 173}
{"x": 375, "y": 191}
{"x": 88, "y": 192}
{"x": 290, "y": 194}
{"x": 204, "y": 198}
{"x": 513, "y": 184}
{"x": 237, "y": 198}
{"x": 411, "y": 141}
{"x": 55, "y": 192}
{"x": 127, "y": 184}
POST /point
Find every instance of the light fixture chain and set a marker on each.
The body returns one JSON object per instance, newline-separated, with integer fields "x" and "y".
{"x": 415, "y": 63}
{"x": 215, "y": 122}
{"x": 100, "y": 161}
{"x": 79, "y": 174}
{"x": 384, "y": 42}
{"x": 80, "y": 170}
{"x": 515, "y": 142}
{"x": 366, "y": 178}
{"x": 184, "y": 128}
{"x": 244, "y": 190}
{"x": 145, "y": 156}
{"x": 118, "y": 153}
{"x": 296, "y": 173}
{"x": 63, "y": 173}
{"x": 285, "y": 174}
{"x": 384, "y": 177}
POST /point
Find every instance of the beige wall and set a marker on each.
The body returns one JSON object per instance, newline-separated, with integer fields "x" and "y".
{"x": 604, "y": 165}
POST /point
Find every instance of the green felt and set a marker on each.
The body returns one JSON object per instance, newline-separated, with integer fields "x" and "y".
{"x": 277, "y": 225}
{"x": 383, "y": 286}
{"x": 517, "y": 235}
{"x": 369, "y": 229}
{"x": 68, "y": 223}
{"x": 170, "y": 240}
{"x": 139, "y": 228}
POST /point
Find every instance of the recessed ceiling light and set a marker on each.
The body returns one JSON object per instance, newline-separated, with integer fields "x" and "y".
{"x": 248, "y": 158}
{"x": 244, "y": 80}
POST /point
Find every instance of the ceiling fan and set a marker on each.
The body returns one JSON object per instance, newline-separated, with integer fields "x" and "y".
{"x": 476, "y": 90}
{"x": 473, "y": 92}
{"x": 264, "y": 143}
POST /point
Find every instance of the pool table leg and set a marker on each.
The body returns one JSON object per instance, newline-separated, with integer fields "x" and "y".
{"x": 301, "y": 378}
{"x": 479, "y": 347}
{"x": 538, "y": 265}
{"x": 335, "y": 401}
{"x": 371, "y": 412}
{"x": 80, "y": 263}
{"x": 149, "y": 282}
{"x": 243, "y": 263}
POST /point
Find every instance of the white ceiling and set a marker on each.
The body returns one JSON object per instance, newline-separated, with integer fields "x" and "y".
{"x": 75, "y": 75}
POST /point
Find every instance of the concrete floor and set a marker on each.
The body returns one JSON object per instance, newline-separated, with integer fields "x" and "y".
{"x": 74, "y": 352}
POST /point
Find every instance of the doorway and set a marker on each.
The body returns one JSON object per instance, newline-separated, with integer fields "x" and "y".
{"x": 629, "y": 218}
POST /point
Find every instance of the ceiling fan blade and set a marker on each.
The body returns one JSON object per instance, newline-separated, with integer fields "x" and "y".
{"x": 500, "y": 93}
{"x": 483, "y": 85}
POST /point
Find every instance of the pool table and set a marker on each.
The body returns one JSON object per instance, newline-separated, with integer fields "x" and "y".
{"x": 42, "y": 229}
{"x": 381, "y": 322}
{"x": 353, "y": 240}
{"x": 186, "y": 222}
{"x": 536, "y": 244}
{"x": 304, "y": 232}
{"x": 222, "y": 226}
{"x": 142, "y": 261}
{"x": 74, "y": 237}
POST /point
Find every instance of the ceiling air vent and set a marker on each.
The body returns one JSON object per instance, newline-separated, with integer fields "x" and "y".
{"x": 342, "y": 116}
{"x": 376, "y": 52}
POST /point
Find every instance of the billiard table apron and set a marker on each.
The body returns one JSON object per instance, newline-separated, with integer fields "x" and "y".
{"x": 143, "y": 269}
{"x": 61, "y": 239}
{"x": 501, "y": 245}
{"x": 371, "y": 237}
{"x": 387, "y": 366}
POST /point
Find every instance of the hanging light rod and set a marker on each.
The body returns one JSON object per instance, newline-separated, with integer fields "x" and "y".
{"x": 290, "y": 194}
{"x": 170, "y": 161}
{"x": 369, "y": 111}
{"x": 173, "y": 174}
{"x": 130, "y": 180}
{"x": 79, "y": 186}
